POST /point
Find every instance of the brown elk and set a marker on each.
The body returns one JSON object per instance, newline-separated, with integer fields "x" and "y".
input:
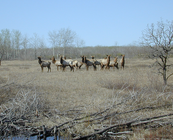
{"x": 88, "y": 63}
{"x": 105, "y": 62}
{"x": 96, "y": 61}
{"x": 44, "y": 64}
{"x": 80, "y": 64}
{"x": 122, "y": 61}
{"x": 56, "y": 62}
{"x": 66, "y": 63}
{"x": 72, "y": 62}
{"x": 114, "y": 63}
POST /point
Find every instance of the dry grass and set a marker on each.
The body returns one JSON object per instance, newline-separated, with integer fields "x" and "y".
{"x": 88, "y": 92}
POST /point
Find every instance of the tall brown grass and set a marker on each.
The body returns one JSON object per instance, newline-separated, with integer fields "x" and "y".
{"x": 86, "y": 91}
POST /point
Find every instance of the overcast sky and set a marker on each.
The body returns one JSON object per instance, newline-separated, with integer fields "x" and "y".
{"x": 97, "y": 22}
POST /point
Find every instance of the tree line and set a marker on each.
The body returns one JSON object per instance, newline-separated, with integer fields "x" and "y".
{"x": 15, "y": 45}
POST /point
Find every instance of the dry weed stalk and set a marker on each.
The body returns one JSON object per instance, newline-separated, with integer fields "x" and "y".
{"x": 26, "y": 102}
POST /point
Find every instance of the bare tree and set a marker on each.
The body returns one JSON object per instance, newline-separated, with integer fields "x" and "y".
{"x": 17, "y": 42}
{"x": 53, "y": 38}
{"x": 78, "y": 43}
{"x": 42, "y": 48}
{"x": 5, "y": 42}
{"x": 2, "y": 49}
{"x": 25, "y": 44}
{"x": 35, "y": 44}
{"x": 159, "y": 40}
{"x": 66, "y": 38}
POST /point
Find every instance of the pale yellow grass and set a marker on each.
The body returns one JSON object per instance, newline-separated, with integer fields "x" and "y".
{"x": 90, "y": 91}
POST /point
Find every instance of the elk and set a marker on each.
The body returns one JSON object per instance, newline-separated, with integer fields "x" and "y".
{"x": 65, "y": 63}
{"x": 114, "y": 63}
{"x": 105, "y": 62}
{"x": 44, "y": 64}
{"x": 73, "y": 63}
{"x": 96, "y": 61}
{"x": 122, "y": 61}
{"x": 56, "y": 62}
{"x": 88, "y": 63}
{"x": 80, "y": 64}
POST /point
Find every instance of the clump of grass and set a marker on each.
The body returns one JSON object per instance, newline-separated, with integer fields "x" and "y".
{"x": 151, "y": 92}
{"x": 2, "y": 80}
{"x": 118, "y": 83}
{"x": 165, "y": 132}
{"x": 4, "y": 69}
{"x": 24, "y": 67}
{"x": 155, "y": 83}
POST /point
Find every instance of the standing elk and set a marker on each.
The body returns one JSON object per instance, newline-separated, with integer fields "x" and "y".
{"x": 56, "y": 62}
{"x": 88, "y": 63}
{"x": 114, "y": 63}
{"x": 72, "y": 62}
{"x": 44, "y": 64}
{"x": 105, "y": 62}
{"x": 65, "y": 63}
{"x": 80, "y": 64}
{"x": 96, "y": 61}
{"x": 122, "y": 61}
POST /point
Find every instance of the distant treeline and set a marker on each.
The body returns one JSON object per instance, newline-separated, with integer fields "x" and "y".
{"x": 14, "y": 45}
{"x": 73, "y": 52}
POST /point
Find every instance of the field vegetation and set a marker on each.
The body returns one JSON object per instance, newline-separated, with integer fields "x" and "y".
{"x": 133, "y": 101}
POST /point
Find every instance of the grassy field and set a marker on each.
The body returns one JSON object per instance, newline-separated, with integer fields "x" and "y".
{"x": 60, "y": 97}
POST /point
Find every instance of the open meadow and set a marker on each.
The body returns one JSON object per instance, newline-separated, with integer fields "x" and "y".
{"x": 132, "y": 101}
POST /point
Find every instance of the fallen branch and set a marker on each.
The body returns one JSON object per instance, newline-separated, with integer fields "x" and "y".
{"x": 128, "y": 124}
{"x": 121, "y": 133}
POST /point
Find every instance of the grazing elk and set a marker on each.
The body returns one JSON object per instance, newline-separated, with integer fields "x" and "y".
{"x": 44, "y": 64}
{"x": 122, "y": 61}
{"x": 88, "y": 63}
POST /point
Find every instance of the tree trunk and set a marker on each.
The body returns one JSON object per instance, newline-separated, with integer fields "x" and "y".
{"x": 35, "y": 54}
{"x": 64, "y": 52}
{"x": 0, "y": 62}
{"x": 53, "y": 51}
{"x": 164, "y": 76}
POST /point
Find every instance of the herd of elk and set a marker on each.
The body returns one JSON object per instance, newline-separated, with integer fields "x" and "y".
{"x": 63, "y": 63}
